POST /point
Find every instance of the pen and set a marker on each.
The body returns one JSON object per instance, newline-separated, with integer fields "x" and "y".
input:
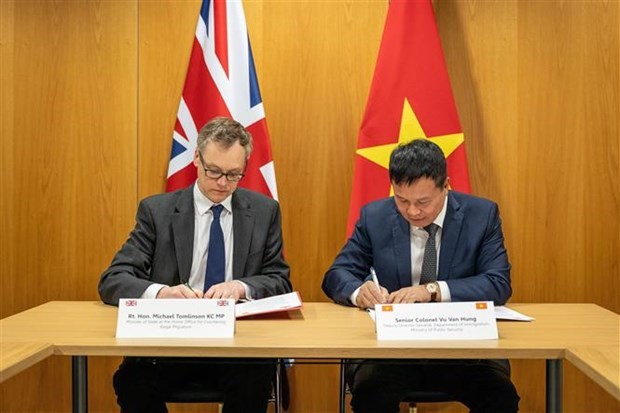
{"x": 375, "y": 279}
{"x": 188, "y": 286}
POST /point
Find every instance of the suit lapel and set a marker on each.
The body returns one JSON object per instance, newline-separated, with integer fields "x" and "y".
{"x": 402, "y": 248}
{"x": 243, "y": 225}
{"x": 450, "y": 235}
{"x": 183, "y": 232}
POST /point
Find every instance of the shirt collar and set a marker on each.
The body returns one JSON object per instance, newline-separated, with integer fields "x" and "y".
{"x": 202, "y": 204}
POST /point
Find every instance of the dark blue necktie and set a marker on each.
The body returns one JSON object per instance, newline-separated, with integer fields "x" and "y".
{"x": 216, "y": 260}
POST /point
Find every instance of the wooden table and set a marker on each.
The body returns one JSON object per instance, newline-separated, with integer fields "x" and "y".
{"x": 319, "y": 330}
{"x": 15, "y": 357}
{"x": 601, "y": 364}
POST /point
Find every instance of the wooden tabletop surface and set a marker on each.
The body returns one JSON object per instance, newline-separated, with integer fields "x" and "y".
{"x": 318, "y": 330}
{"x": 15, "y": 357}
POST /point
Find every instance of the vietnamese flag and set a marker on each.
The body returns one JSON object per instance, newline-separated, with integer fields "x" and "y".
{"x": 410, "y": 98}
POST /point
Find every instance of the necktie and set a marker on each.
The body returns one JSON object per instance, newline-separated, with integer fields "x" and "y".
{"x": 429, "y": 263}
{"x": 216, "y": 261}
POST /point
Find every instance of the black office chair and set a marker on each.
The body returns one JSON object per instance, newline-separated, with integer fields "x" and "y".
{"x": 193, "y": 393}
{"x": 412, "y": 398}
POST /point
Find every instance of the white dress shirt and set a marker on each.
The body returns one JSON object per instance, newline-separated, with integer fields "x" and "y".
{"x": 417, "y": 241}
{"x": 203, "y": 217}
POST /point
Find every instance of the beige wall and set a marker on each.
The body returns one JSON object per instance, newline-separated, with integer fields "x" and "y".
{"x": 89, "y": 92}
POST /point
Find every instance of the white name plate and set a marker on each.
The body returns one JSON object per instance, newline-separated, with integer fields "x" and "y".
{"x": 175, "y": 318}
{"x": 436, "y": 321}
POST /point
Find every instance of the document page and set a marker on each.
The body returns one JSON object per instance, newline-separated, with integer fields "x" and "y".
{"x": 505, "y": 313}
{"x": 283, "y": 302}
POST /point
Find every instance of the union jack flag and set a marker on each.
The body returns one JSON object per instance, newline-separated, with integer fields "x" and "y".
{"x": 221, "y": 81}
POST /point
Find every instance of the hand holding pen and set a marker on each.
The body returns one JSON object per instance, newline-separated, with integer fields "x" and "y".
{"x": 375, "y": 280}
{"x": 179, "y": 291}
{"x": 371, "y": 292}
{"x": 197, "y": 294}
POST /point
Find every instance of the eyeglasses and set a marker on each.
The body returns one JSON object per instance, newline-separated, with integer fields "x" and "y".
{"x": 217, "y": 174}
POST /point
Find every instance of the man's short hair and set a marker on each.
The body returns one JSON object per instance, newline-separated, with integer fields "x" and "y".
{"x": 224, "y": 132}
{"x": 417, "y": 159}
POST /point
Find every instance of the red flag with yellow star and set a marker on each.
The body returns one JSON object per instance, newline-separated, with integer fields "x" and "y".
{"x": 410, "y": 98}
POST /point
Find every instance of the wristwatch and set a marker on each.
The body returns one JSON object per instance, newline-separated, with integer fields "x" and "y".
{"x": 433, "y": 289}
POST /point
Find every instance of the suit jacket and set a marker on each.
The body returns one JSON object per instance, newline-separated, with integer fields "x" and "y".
{"x": 472, "y": 257}
{"x": 160, "y": 247}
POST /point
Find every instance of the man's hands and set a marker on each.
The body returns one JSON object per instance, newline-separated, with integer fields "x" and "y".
{"x": 231, "y": 289}
{"x": 369, "y": 295}
{"x": 179, "y": 291}
{"x": 415, "y": 294}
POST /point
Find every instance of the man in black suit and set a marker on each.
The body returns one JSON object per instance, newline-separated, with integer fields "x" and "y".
{"x": 426, "y": 243}
{"x": 168, "y": 255}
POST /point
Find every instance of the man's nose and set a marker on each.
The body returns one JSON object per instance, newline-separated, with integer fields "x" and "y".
{"x": 413, "y": 210}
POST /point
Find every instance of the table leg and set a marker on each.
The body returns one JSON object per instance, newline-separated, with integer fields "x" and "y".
{"x": 343, "y": 386}
{"x": 79, "y": 370}
{"x": 554, "y": 386}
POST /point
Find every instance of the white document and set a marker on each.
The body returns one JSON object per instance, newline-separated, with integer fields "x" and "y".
{"x": 276, "y": 303}
{"x": 505, "y": 313}
{"x": 175, "y": 318}
{"x": 436, "y": 321}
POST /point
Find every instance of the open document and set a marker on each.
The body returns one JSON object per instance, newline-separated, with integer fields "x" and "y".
{"x": 277, "y": 303}
{"x": 505, "y": 313}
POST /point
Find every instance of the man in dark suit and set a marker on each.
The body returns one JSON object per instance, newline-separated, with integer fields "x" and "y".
{"x": 426, "y": 243}
{"x": 210, "y": 240}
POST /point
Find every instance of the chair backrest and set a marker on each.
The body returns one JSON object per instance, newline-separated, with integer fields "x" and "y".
{"x": 412, "y": 398}
{"x": 193, "y": 393}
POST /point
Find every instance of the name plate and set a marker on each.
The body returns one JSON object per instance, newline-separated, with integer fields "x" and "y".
{"x": 175, "y": 318}
{"x": 436, "y": 321}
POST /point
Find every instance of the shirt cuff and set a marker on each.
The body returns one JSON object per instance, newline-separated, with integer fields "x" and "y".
{"x": 248, "y": 290}
{"x": 445, "y": 291}
{"x": 152, "y": 290}
{"x": 353, "y": 296}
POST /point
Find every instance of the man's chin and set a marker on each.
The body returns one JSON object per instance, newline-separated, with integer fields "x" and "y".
{"x": 420, "y": 223}
{"x": 217, "y": 197}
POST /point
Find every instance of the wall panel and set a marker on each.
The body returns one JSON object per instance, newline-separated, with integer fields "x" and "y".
{"x": 69, "y": 120}
{"x": 317, "y": 66}
{"x": 569, "y": 102}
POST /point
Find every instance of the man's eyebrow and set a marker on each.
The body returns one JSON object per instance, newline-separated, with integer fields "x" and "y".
{"x": 213, "y": 166}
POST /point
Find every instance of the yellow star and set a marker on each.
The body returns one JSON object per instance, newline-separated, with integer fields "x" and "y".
{"x": 410, "y": 129}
